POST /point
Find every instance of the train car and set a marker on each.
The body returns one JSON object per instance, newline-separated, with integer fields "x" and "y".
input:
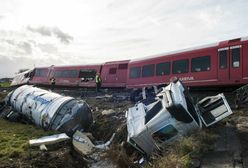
{"x": 41, "y": 76}
{"x": 82, "y": 75}
{"x": 22, "y": 78}
{"x": 114, "y": 74}
{"x": 219, "y": 64}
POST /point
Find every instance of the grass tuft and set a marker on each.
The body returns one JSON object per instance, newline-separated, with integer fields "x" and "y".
{"x": 5, "y": 84}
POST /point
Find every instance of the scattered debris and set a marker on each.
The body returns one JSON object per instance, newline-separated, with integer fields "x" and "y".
{"x": 48, "y": 140}
{"x": 83, "y": 144}
{"x": 170, "y": 115}
{"x": 106, "y": 96}
{"x": 50, "y": 110}
{"x": 43, "y": 147}
{"x": 105, "y": 145}
{"x": 241, "y": 96}
{"x": 108, "y": 112}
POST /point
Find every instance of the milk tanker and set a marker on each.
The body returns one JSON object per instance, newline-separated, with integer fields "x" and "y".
{"x": 50, "y": 110}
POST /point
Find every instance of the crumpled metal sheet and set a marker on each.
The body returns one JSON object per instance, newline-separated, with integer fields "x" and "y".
{"x": 50, "y": 110}
{"x": 48, "y": 140}
{"x": 170, "y": 115}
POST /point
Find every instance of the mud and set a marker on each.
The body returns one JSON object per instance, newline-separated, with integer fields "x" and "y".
{"x": 120, "y": 153}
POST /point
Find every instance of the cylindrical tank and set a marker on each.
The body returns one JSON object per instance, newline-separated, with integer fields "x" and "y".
{"x": 50, "y": 110}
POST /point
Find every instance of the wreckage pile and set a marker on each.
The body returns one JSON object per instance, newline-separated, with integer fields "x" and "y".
{"x": 169, "y": 115}
{"x": 148, "y": 126}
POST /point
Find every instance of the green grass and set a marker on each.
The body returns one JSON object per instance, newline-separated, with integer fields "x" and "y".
{"x": 5, "y": 84}
{"x": 14, "y": 138}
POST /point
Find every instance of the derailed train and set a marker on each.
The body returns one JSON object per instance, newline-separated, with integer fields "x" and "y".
{"x": 219, "y": 64}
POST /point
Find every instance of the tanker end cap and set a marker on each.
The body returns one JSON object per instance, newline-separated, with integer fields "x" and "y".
{"x": 77, "y": 116}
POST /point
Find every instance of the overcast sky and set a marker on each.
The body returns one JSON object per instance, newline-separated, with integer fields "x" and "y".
{"x": 65, "y": 32}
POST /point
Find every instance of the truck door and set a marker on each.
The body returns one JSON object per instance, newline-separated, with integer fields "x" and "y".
{"x": 213, "y": 109}
{"x": 229, "y": 60}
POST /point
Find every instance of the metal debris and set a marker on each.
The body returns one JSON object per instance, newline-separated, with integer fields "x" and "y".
{"x": 241, "y": 96}
{"x": 49, "y": 140}
{"x": 169, "y": 115}
{"x": 83, "y": 144}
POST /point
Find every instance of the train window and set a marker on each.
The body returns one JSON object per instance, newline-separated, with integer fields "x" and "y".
{"x": 112, "y": 71}
{"x": 66, "y": 74}
{"x": 87, "y": 74}
{"x": 180, "y": 66}
{"x": 40, "y": 72}
{"x": 122, "y": 66}
{"x": 235, "y": 57}
{"x": 148, "y": 70}
{"x": 163, "y": 69}
{"x": 200, "y": 64}
{"x": 223, "y": 59}
{"x": 58, "y": 74}
{"x": 134, "y": 72}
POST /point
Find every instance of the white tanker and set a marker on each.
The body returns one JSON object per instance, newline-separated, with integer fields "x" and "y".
{"x": 50, "y": 110}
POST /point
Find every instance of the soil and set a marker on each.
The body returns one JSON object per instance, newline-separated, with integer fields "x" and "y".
{"x": 63, "y": 155}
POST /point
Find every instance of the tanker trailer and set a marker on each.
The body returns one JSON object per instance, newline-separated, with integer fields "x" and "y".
{"x": 49, "y": 110}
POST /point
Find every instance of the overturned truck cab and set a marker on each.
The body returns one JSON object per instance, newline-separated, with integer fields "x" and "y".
{"x": 171, "y": 114}
{"x": 50, "y": 110}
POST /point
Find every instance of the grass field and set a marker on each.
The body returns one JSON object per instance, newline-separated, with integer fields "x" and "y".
{"x": 14, "y": 138}
{"x": 5, "y": 84}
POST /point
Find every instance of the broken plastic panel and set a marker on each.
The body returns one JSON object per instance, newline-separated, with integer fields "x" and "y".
{"x": 171, "y": 114}
{"x": 50, "y": 110}
{"x": 213, "y": 109}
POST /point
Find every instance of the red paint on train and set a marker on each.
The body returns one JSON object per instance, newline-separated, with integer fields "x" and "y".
{"x": 220, "y": 64}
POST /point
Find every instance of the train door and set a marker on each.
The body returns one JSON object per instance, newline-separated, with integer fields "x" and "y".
{"x": 235, "y": 63}
{"x": 114, "y": 75}
{"x": 230, "y": 63}
{"x": 122, "y": 74}
{"x": 109, "y": 75}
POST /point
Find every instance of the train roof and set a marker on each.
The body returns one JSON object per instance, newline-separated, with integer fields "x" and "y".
{"x": 117, "y": 62}
{"x": 68, "y": 66}
{"x": 190, "y": 49}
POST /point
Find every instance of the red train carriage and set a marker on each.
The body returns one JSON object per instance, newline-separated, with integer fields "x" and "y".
{"x": 224, "y": 63}
{"x": 82, "y": 75}
{"x": 41, "y": 75}
{"x": 114, "y": 74}
{"x": 87, "y": 75}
